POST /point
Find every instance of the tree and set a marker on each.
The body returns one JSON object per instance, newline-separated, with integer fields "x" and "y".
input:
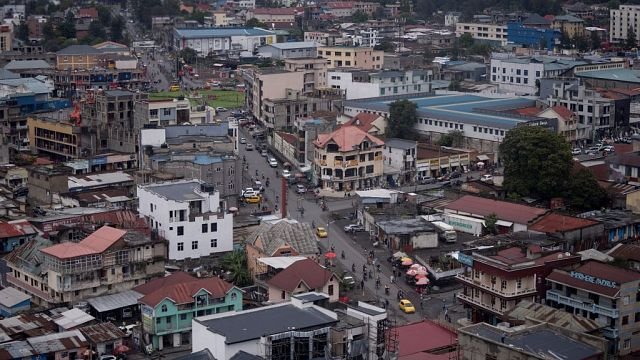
{"x": 359, "y": 16}
{"x": 236, "y": 263}
{"x": 96, "y": 30}
{"x": 22, "y": 32}
{"x": 585, "y": 193}
{"x": 529, "y": 150}
{"x": 253, "y": 22}
{"x": 385, "y": 45}
{"x": 67, "y": 28}
{"x": 115, "y": 31}
{"x": 402, "y": 118}
{"x": 466, "y": 40}
{"x": 454, "y": 138}
{"x": 454, "y": 85}
{"x": 631, "y": 38}
{"x": 490, "y": 222}
{"x": 188, "y": 55}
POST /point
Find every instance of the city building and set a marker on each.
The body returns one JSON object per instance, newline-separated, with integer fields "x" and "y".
{"x": 372, "y": 123}
{"x": 105, "y": 337}
{"x": 627, "y": 252}
{"x": 13, "y": 301}
{"x": 359, "y": 84}
{"x": 306, "y": 129}
{"x": 190, "y": 215}
{"x": 85, "y": 57}
{"x": 207, "y": 41}
{"x": 483, "y": 121}
{"x": 528, "y": 342}
{"x": 325, "y": 38}
{"x": 348, "y": 159}
{"x": 622, "y": 19}
{"x": 46, "y": 184}
{"x": 577, "y": 233}
{"x": 169, "y": 305}
{"x": 273, "y": 84}
{"x": 400, "y": 161}
{"x": 492, "y": 33}
{"x": 451, "y": 18}
{"x": 284, "y": 238}
{"x": 289, "y": 50}
{"x": 467, "y": 214}
{"x": 302, "y": 276}
{"x": 14, "y": 234}
{"x": 6, "y": 38}
{"x": 494, "y": 281}
{"x": 35, "y": 24}
{"x": 280, "y": 114}
{"x": 433, "y": 161}
{"x": 570, "y": 25}
{"x": 519, "y": 75}
{"x": 59, "y": 140}
{"x": 304, "y": 327}
{"x": 107, "y": 261}
{"x": 314, "y": 69}
{"x": 533, "y": 36}
{"x": 161, "y": 112}
{"x": 277, "y": 18}
{"x": 352, "y": 57}
{"x": 605, "y": 293}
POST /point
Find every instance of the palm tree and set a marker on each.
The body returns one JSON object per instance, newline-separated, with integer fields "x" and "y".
{"x": 235, "y": 263}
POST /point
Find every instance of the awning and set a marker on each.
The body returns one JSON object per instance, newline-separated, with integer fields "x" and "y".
{"x": 482, "y": 157}
{"x": 504, "y": 223}
{"x": 280, "y": 262}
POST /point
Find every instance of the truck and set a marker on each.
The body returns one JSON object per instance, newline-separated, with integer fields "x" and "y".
{"x": 446, "y": 232}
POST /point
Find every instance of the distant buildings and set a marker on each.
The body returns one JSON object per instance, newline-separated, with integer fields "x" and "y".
{"x": 352, "y": 57}
{"x": 290, "y": 50}
{"x": 623, "y": 19}
{"x": 359, "y": 84}
{"x": 492, "y": 33}
{"x": 222, "y": 40}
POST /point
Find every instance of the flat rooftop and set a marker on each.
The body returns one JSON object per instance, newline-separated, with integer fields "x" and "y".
{"x": 253, "y": 324}
{"x": 178, "y": 191}
{"x": 538, "y": 340}
{"x": 465, "y": 109}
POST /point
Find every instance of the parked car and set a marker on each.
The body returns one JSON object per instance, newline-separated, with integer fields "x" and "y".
{"x": 220, "y": 109}
{"x": 426, "y": 180}
{"x": 273, "y": 162}
{"x": 249, "y": 147}
{"x": 353, "y": 228}
{"x": 301, "y": 189}
{"x": 487, "y": 178}
{"x": 576, "y": 151}
{"x": 264, "y": 153}
{"x": 608, "y": 148}
{"x": 321, "y": 232}
{"x": 243, "y": 141}
{"x": 286, "y": 173}
{"x": 248, "y": 192}
{"x": 407, "y": 307}
{"x": 253, "y": 199}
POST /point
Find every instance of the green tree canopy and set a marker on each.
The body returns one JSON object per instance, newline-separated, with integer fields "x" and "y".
{"x": 253, "y": 22}
{"x": 402, "y": 118}
{"x": 385, "y": 45}
{"x": 631, "y": 38}
{"x": 359, "y": 16}
{"x": 236, "y": 263}
{"x": 584, "y": 191}
{"x": 536, "y": 162}
{"x": 490, "y": 223}
{"x": 188, "y": 55}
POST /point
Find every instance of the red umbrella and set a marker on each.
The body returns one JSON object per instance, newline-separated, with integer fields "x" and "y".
{"x": 422, "y": 281}
{"x": 420, "y": 276}
{"x": 120, "y": 349}
{"x": 411, "y": 272}
{"x": 330, "y": 255}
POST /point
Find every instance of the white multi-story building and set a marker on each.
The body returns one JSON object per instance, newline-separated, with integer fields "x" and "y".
{"x": 518, "y": 75}
{"x": 621, "y": 19}
{"x": 190, "y": 215}
{"x": 400, "y": 160}
{"x": 207, "y": 41}
{"x": 452, "y": 18}
{"x": 359, "y": 84}
{"x": 487, "y": 32}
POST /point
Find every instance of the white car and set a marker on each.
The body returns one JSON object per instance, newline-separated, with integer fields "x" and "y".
{"x": 243, "y": 141}
{"x": 221, "y": 109}
{"x": 576, "y": 151}
{"x": 301, "y": 189}
{"x": 273, "y": 162}
{"x": 286, "y": 173}
{"x": 487, "y": 178}
{"x": 609, "y": 148}
{"x": 264, "y": 153}
{"x": 249, "y": 192}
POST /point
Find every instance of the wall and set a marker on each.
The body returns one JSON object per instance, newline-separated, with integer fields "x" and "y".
{"x": 354, "y": 90}
{"x": 424, "y": 241}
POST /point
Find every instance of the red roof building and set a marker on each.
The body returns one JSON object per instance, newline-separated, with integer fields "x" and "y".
{"x": 426, "y": 340}
{"x": 346, "y": 138}
{"x": 181, "y": 288}
{"x": 496, "y": 280}
{"x": 578, "y": 233}
{"x": 372, "y": 123}
{"x": 94, "y": 244}
{"x": 511, "y": 216}
{"x": 303, "y": 276}
{"x": 88, "y": 13}
{"x": 605, "y": 293}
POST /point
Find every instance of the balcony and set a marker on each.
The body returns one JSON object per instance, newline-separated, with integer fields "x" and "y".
{"x": 581, "y": 304}
{"x": 476, "y": 302}
{"x": 494, "y": 290}
{"x": 610, "y": 333}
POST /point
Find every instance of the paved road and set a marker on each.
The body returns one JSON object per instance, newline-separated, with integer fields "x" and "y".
{"x": 354, "y": 253}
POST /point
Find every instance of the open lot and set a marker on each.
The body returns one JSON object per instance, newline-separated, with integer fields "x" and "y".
{"x": 226, "y": 98}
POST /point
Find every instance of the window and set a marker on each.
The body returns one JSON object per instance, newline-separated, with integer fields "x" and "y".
{"x": 205, "y": 228}
{"x": 180, "y": 246}
{"x": 180, "y": 230}
{"x": 214, "y": 227}
{"x": 637, "y": 319}
{"x": 151, "y": 207}
{"x": 625, "y": 320}
{"x": 163, "y": 308}
{"x": 183, "y": 316}
{"x": 519, "y": 284}
{"x": 158, "y": 320}
{"x": 476, "y": 274}
{"x": 168, "y": 319}
{"x": 625, "y": 300}
{"x": 330, "y": 290}
{"x": 283, "y": 295}
{"x": 167, "y": 112}
{"x": 214, "y": 243}
{"x": 503, "y": 284}
{"x": 194, "y": 245}
{"x": 503, "y": 304}
{"x": 627, "y": 343}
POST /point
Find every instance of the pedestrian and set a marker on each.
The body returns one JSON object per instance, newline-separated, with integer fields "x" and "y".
{"x": 362, "y": 283}
{"x": 391, "y": 279}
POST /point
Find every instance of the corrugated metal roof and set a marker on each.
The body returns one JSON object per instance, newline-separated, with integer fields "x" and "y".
{"x": 527, "y": 309}
{"x": 221, "y": 32}
{"x": 67, "y": 340}
{"x": 115, "y": 301}
{"x": 73, "y": 318}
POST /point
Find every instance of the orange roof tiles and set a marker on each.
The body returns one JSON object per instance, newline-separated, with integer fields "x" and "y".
{"x": 96, "y": 243}
{"x": 307, "y": 271}
{"x": 563, "y": 111}
{"x": 347, "y": 137}
{"x": 180, "y": 288}
{"x": 504, "y": 210}
{"x": 554, "y": 223}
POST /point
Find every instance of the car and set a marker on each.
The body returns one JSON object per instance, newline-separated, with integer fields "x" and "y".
{"x": 487, "y": 178}
{"x": 264, "y": 153}
{"x": 249, "y": 147}
{"x": 576, "y": 151}
{"x": 243, "y": 141}
{"x": 321, "y": 232}
{"x": 407, "y": 307}
{"x": 174, "y": 88}
{"x": 301, "y": 189}
{"x": 286, "y": 173}
{"x": 257, "y": 186}
{"x": 353, "y": 228}
{"x": 253, "y": 199}
{"x": 273, "y": 162}
{"x": 108, "y": 357}
{"x": 127, "y": 329}
{"x": 248, "y": 192}
{"x": 426, "y": 180}
{"x": 348, "y": 281}
{"x": 608, "y": 148}
{"x": 220, "y": 109}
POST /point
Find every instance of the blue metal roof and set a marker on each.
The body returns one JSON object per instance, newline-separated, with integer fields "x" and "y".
{"x": 465, "y": 109}
{"x": 625, "y": 75}
{"x": 221, "y": 32}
